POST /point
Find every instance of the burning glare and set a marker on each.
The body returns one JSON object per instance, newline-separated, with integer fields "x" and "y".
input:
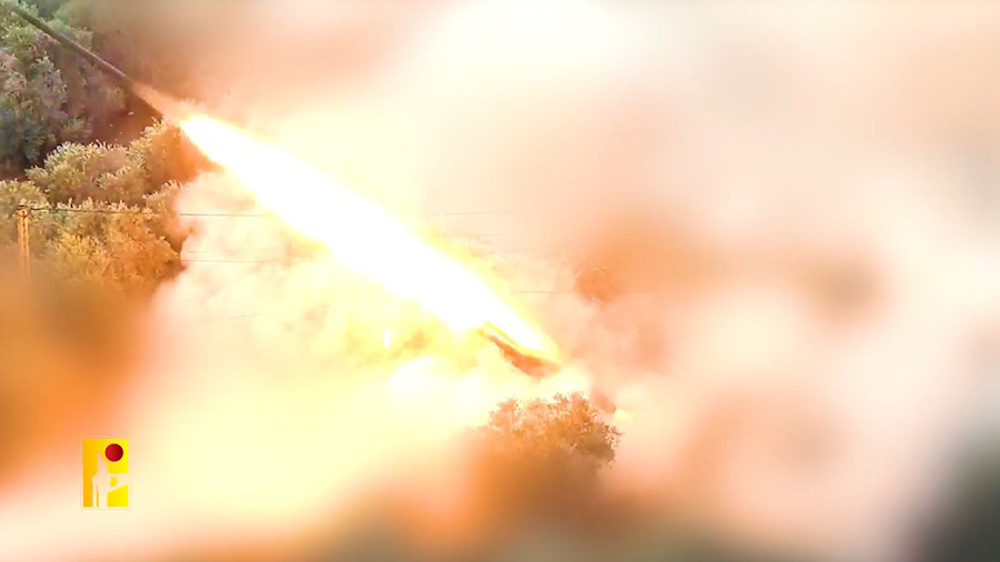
{"x": 795, "y": 339}
{"x": 362, "y": 235}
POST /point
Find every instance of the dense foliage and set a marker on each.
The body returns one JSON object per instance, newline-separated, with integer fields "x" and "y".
{"x": 541, "y": 460}
{"x": 99, "y": 213}
{"x": 47, "y": 95}
{"x": 100, "y": 227}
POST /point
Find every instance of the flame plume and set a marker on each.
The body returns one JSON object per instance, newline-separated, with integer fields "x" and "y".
{"x": 362, "y": 235}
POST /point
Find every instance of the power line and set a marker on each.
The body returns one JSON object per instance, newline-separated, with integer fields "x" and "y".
{"x": 238, "y": 259}
{"x": 543, "y": 292}
{"x": 246, "y": 215}
{"x": 97, "y": 211}
{"x": 330, "y": 305}
{"x": 221, "y": 214}
{"x": 286, "y": 259}
{"x": 276, "y": 260}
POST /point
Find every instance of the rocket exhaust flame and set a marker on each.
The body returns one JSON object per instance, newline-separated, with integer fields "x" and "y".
{"x": 526, "y": 361}
{"x": 370, "y": 241}
{"x": 769, "y": 407}
{"x": 362, "y": 235}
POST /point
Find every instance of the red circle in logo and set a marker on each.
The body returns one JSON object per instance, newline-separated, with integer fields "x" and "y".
{"x": 114, "y": 452}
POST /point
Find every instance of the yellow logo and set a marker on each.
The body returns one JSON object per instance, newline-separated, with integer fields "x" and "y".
{"x": 105, "y": 473}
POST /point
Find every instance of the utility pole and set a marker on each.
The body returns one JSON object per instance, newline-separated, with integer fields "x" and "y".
{"x": 23, "y": 246}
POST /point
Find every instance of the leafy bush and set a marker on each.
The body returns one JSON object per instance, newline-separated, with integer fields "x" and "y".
{"x": 74, "y": 173}
{"x": 47, "y": 95}
{"x": 542, "y": 460}
{"x": 102, "y": 214}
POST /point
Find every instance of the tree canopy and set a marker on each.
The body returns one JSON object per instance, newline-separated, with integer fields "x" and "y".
{"x": 47, "y": 95}
{"x": 541, "y": 460}
{"x": 99, "y": 213}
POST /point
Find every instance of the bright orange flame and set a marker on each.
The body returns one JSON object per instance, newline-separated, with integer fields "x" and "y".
{"x": 362, "y": 235}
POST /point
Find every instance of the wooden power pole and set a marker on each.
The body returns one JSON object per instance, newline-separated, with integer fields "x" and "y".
{"x": 23, "y": 246}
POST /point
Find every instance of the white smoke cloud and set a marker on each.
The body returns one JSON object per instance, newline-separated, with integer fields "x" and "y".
{"x": 796, "y": 341}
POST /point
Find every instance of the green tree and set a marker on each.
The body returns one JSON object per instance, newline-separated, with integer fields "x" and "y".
{"x": 47, "y": 96}
{"x": 542, "y": 460}
{"x": 74, "y": 173}
{"x": 102, "y": 218}
{"x": 115, "y": 248}
{"x": 12, "y": 195}
{"x": 47, "y": 8}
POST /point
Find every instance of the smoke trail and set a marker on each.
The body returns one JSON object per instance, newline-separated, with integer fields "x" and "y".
{"x": 789, "y": 309}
